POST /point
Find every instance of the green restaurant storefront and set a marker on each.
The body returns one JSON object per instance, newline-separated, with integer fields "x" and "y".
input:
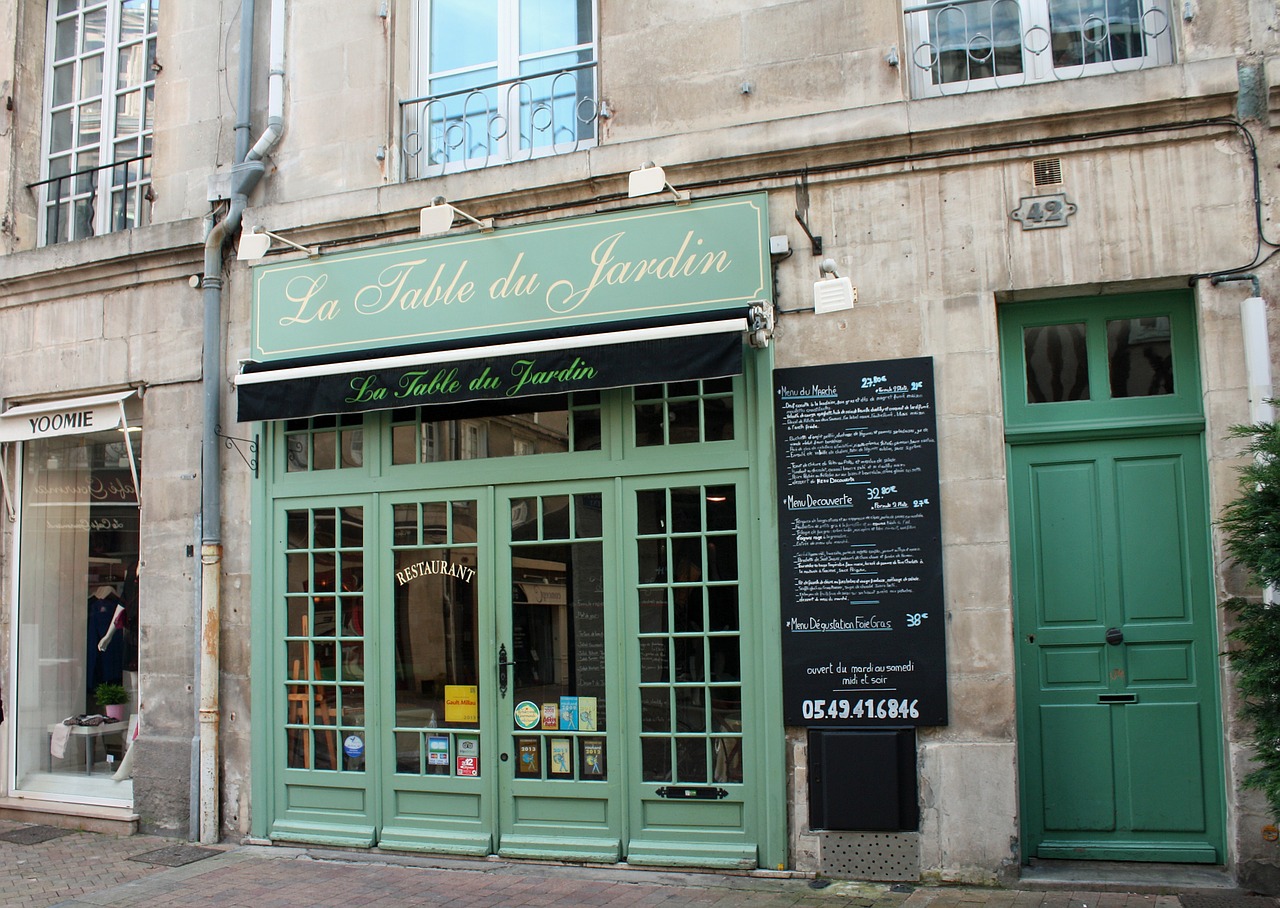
{"x": 515, "y": 577}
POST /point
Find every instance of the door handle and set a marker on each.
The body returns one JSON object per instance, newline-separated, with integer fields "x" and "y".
{"x": 1115, "y": 636}
{"x": 503, "y": 665}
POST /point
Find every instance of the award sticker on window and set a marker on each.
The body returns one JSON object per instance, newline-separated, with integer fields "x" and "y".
{"x": 353, "y": 746}
{"x": 527, "y": 715}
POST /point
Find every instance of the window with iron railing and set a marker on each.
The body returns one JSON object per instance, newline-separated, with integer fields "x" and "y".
{"x": 98, "y": 121}
{"x": 499, "y": 81}
{"x": 959, "y": 46}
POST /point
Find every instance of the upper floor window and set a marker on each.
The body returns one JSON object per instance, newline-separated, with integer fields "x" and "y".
{"x": 957, "y": 46}
{"x": 499, "y": 81}
{"x": 98, "y": 116}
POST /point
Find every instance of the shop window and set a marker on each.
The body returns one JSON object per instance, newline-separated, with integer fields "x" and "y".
{"x": 975, "y": 45}
{"x": 499, "y": 81}
{"x": 324, "y": 639}
{"x": 441, "y": 434}
{"x": 100, "y": 67}
{"x": 559, "y": 653}
{"x": 77, "y": 613}
{"x": 324, "y": 443}
{"x": 684, "y": 412}
{"x": 689, "y": 635}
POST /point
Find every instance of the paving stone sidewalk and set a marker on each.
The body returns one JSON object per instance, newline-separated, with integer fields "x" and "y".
{"x": 90, "y": 870}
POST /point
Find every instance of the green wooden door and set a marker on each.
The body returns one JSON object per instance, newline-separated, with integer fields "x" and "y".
{"x": 1119, "y": 730}
{"x": 1119, "y": 735}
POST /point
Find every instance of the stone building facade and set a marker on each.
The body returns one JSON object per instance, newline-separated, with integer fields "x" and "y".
{"x": 1065, "y": 208}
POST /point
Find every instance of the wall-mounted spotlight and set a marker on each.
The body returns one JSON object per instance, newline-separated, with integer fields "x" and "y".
{"x": 835, "y": 292}
{"x": 438, "y": 217}
{"x": 651, "y": 179}
{"x": 255, "y": 243}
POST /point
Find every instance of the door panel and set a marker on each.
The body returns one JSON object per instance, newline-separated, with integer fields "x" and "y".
{"x": 325, "y": 795}
{"x": 434, "y": 580}
{"x": 559, "y": 760}
{"x": 693, "y": 787}
{"x": 1079, "y": 779}
{"x": 1116, "y": 664}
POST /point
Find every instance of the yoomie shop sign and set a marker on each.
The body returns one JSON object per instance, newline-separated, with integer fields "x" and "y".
{"x": 76, "y": 416}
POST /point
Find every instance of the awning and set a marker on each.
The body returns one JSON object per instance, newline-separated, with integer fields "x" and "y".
{"x": 499, "y": 372}
{"x": 69, "y": 416}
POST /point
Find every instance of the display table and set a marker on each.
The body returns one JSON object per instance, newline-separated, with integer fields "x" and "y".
{"x": 90, "y": 735}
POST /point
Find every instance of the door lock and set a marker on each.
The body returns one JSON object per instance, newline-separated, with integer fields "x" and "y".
{"x": 503, "y": 665}
{"x": 1115, "y": 636}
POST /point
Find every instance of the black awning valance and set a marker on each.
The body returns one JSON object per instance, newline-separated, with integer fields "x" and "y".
{"x": 505, "y": 372}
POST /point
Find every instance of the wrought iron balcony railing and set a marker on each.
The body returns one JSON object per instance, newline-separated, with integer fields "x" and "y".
{"x": 549, "y": 113}
{"x": 958, "y": 46}
{"x": 78, "y": 205}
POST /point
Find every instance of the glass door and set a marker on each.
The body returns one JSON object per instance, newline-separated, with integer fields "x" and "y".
{"x": 435, "y": 590}
{"x": 559, "y": 760}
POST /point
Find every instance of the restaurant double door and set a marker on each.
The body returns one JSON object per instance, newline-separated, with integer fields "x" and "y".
{"x": 550, "y": 670}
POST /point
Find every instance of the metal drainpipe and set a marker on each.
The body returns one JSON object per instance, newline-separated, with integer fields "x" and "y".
{"x": 1257, "y": 361}
{"x": 245, "y": 175}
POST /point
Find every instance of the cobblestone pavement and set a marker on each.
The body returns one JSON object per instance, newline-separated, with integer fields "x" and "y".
{"x": 81, "y": 869}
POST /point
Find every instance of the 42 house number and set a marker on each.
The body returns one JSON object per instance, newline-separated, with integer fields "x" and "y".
{"x": 1036, "y": 212}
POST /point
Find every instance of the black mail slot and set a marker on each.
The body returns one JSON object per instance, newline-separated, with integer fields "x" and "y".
{"x": 1117, "y": 698}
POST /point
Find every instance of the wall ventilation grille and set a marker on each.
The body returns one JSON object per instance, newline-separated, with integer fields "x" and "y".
{"x": 879, "y": 857}
{"x": 1048, "y": 172}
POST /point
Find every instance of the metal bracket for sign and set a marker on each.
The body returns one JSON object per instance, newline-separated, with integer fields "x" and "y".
{"x": 692, "y": 792}
{"x": 230, "y": 441}
{"x": 802, "y": 213}
{"x": 1036, "y": 212}
{"x": 9, "y": 510}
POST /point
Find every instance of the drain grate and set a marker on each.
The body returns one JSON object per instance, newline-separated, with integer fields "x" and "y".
{"x": 176, "y": 855}
{"x": 33, "y": 835}
{"x": 1227, "y": 901}
{"x": 879, "y": 857}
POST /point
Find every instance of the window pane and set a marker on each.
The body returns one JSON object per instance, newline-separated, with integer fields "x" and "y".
{"x": 463, "y": 33}
{"x": 95, "y": 30}
{"x": 1095, "y": 31}
{"x": 129, "y": 66}
{"x": 976, "y": 40}
{"x": 64, "y": 38}
{"x": 60, "y": 131}
{"x": 551, "y": 24}
{"x": 1140, "y": 357}
{"x": 63, "y": 84}
{"x": 1057, "y": 363}
{"x": 133, "y": 20}
{"x": 90, "y": 123}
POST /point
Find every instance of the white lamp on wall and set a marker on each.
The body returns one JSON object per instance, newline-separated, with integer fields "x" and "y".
{"x": 651, "y": 179}
{"x": 834, "y": 293}
{"x": 438, "y": 217}
{"x": 256, "y": 241}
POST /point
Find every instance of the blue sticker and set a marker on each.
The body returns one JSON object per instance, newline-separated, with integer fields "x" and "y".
{"x": 353, "y": 746}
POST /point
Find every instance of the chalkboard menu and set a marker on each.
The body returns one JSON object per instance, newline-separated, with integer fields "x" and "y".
{"x": 863, "y": 623}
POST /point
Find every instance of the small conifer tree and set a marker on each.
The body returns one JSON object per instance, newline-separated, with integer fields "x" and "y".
{"x": 1252, "y": 526}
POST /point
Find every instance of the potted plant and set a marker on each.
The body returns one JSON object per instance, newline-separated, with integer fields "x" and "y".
{"x": 112, "y": 698}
